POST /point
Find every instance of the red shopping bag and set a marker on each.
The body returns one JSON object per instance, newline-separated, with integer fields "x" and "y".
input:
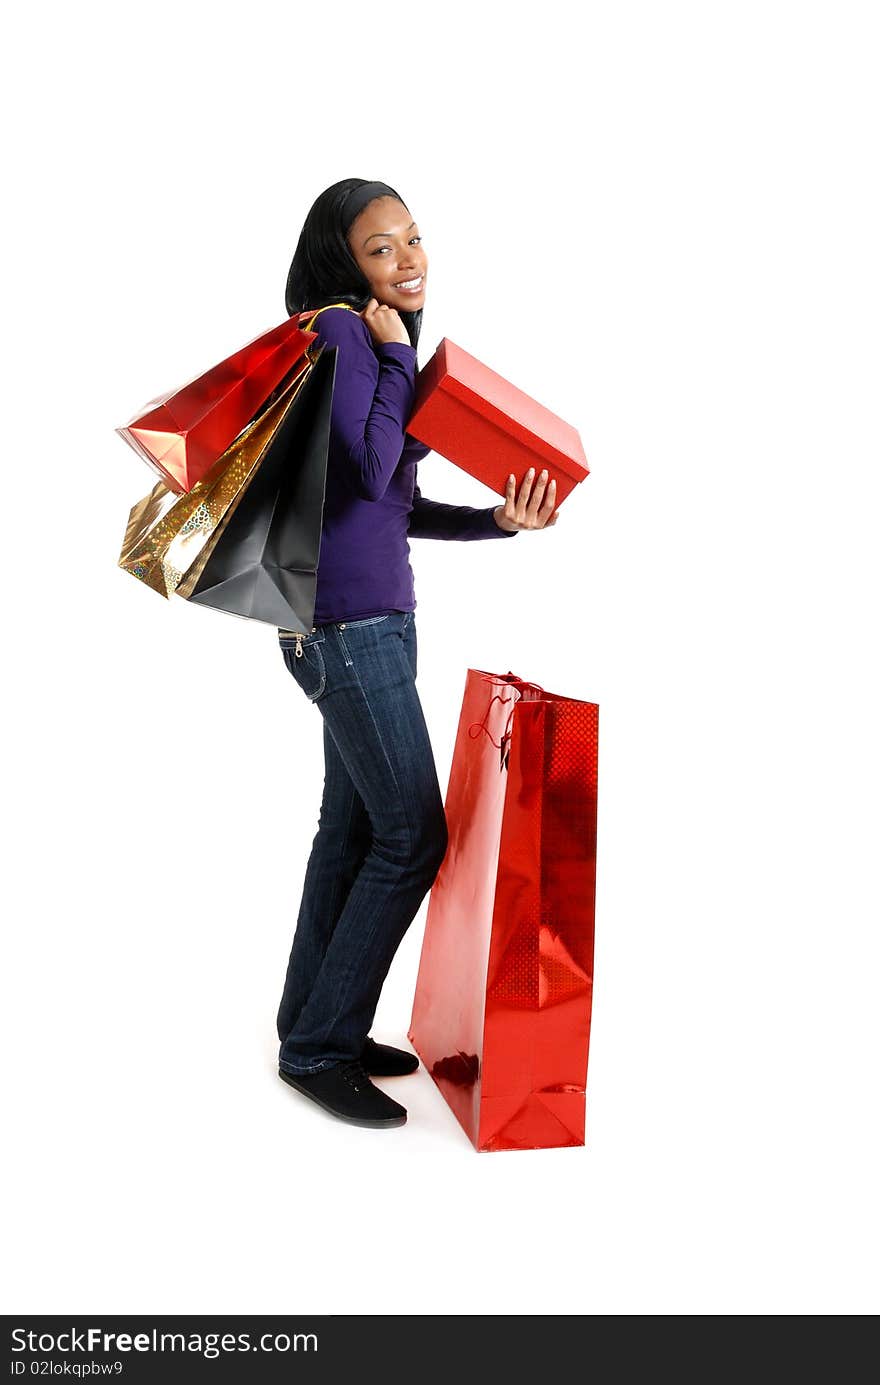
{"x": 501, "y": 1016}
{"x": 180, "y": 435}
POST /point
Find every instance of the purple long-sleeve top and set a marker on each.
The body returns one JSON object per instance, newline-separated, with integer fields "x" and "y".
{"x": 372, "y": 502}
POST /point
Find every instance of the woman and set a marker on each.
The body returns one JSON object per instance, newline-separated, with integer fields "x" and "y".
{"x": 382, "y": 829}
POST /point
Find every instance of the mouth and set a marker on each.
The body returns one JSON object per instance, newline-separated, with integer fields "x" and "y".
{"x": 410, "y": 285}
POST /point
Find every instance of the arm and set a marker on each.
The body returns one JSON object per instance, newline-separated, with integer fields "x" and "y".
{"x": 372, "y": 399}
{"x": 413, "y": 450}
{"x": 430, "y": 519}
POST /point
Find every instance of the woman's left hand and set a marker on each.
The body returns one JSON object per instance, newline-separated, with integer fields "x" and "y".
{"x": 530, "y": 509}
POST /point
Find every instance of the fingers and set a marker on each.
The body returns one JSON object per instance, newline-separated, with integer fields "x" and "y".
{"x": 542, "y": 490}
{"x": 526, "y": 494}
{"x": 534, "y": 507}
{"x": 374, "y": 306}
{"x": 537, "y": 495}
{"x": 375, "y": 309}
{"x": 549, "y": 500}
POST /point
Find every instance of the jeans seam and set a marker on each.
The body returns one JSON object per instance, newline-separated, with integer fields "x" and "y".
{"x": 346, "y": 842}
{"x": 322, "y": 669}
{"x": 355, "y": 624}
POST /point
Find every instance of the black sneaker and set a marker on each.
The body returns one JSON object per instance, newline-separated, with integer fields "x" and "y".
{"x": 381, "y": 1060}
{"x": 345, "y": 1090}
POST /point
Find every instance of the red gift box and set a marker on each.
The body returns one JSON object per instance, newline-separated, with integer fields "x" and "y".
{"x": 501, "y": 1014}
{"x": 488, "y": 427}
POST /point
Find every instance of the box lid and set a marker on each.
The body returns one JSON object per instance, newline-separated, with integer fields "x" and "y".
{"x": 497, "y": 400}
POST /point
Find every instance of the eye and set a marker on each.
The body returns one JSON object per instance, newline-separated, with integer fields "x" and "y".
{"x": 414, "y": 240}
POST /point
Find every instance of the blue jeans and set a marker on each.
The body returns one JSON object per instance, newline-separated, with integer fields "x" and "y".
{"x": 381, "y": 835}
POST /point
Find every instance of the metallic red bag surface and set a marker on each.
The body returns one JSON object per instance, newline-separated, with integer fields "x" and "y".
{"x": 182, "y": 434}
{"x": 501, "y": 1016}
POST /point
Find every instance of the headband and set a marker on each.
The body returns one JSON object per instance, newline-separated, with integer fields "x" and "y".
{"x": 358, "y": 198}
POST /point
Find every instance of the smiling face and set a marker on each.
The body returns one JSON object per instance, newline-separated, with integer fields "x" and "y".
{"x": 385, "y": 241}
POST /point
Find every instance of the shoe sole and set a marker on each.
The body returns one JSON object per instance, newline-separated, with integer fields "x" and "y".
{"x": 382, "y": 1123}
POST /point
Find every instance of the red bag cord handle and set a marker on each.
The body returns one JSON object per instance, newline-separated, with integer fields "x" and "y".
{"x": 477, "y": 726}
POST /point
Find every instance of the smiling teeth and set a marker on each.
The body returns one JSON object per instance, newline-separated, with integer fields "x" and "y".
{"x": 409, "y": 283}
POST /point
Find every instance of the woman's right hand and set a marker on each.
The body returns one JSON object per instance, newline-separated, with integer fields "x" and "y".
{"x": 385, "y": 323}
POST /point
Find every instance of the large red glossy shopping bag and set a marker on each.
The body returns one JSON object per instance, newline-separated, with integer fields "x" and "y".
{"x": 490, "y": 428}
{"x": 183, "y": 433}
{"x": 501, "y": 1017}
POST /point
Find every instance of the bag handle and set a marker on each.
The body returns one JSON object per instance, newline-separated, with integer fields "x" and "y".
{"x": 308, "y": 327}
{"x": 477, "y": 726}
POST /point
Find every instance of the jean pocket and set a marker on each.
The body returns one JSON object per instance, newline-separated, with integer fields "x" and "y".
{"x": 367, "y": 620}
{"x": 308, "y": 668}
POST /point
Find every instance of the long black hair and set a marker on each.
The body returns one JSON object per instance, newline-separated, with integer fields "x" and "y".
{"x": 323, "y": 269}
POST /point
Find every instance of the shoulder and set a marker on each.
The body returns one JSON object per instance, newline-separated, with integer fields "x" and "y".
{"x": 340, "y": 327}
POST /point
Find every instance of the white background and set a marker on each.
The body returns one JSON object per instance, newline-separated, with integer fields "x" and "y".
{"x": 662, "y": 223}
